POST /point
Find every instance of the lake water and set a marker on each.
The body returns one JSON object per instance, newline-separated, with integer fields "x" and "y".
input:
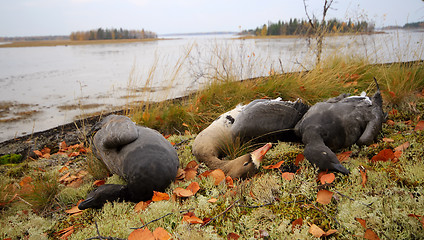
{"x": 94, "y": 78}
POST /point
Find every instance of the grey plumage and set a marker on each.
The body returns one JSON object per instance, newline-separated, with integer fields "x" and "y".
{"x": 140, "y": 155}
{"x": 338, "y": 123}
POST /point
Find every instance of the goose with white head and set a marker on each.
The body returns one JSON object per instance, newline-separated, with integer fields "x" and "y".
{"x": 255, "y": 121}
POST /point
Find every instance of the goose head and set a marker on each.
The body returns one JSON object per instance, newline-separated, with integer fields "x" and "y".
{"x": 324, "y": 158}
{"x": 105, "y": 193}
{"x": 246, "y": 165}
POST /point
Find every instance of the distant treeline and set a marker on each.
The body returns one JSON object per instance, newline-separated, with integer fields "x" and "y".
{"x": 414, "y": 25}
{"x": 113, "y": 33}
{"x": 302, "y": 27}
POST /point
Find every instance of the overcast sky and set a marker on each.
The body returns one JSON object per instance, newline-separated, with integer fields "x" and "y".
{"x": 61, "y": 17}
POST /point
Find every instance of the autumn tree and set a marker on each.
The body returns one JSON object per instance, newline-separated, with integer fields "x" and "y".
{"x": 319, "y": 29}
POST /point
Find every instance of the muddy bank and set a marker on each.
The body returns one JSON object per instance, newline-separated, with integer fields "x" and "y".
{"x": 72, "y": 133}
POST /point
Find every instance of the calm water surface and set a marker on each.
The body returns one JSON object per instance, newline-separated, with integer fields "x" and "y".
{"x": 48, "y": 80}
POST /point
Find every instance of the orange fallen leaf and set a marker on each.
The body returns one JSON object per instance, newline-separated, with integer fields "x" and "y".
{"x": 409, "y": 122}
{"x": 318, "y": 232}
{"x": 99, "y": 182}
{"x": 161, "y": 234}
{"x": 74, "y": 154}
{"x": 159, "y": 196}
{"x": 287, "y": 175}
{"x": 402, "y": 147}
{"x": 62, "y": 179}
{"x": 397, "y": 154}
{"x": 232, "y": 236}
{"x": 213, "y": 200}
{"x": 327, "y": 178}
{"x": 218, "y": 175}
{"x": 344, "y": 156}
{"x": 65, "y": 233}
{"x": 363, "y": 172}
{"x": 362, "y": 222}
{"x": 388, "y": 140}
{"x": 324, "y": 196}
{"x": 141, "y": 206}
{"x": 76, "y": 183}
{"x": 46, "y": 150}
{"x": 393, "y": 112}
{"x": 371, "y": 235}
{"x": 274, "y": 166}
{"x": 297, "y": 224}
{"x": 190, "y": 174}
{"x": 384, "y": 156}
{"x": 25, "y": 181}
{"x": 329, "y": 232}
{"x": 193, "y": 187}
{"x": 192, "y": 164}
{"x": 191, "y": 218}
{"x": 419, "y": 126}
{"x": 180, "y": 175}
{"x": 299, "y": 158}
{"x": 38, "y": 153}
{"x": 392, "y": 94}
{"x": 141, "y": 234}
{"x": 390, "y": 122}
{"x": 320, "y": 174}
{"x": 63, "y": 146}
{"x": 229, "y": 181}
{"x": 64, "y": 168}
{"x": 181, "y": 192}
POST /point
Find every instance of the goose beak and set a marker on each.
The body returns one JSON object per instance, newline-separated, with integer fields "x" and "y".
{"x": 259, "y": 154}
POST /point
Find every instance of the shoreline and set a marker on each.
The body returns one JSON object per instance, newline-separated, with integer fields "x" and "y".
{"x": 53, "y": 43}
{"x": 305, "y": 36}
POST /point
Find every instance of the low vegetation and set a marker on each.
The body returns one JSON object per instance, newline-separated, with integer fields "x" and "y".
{"x": 288, "y": 199}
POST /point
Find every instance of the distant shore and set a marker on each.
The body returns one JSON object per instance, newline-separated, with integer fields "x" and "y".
{"x": 303, "y": 36}
{"x": 51, "y": 43}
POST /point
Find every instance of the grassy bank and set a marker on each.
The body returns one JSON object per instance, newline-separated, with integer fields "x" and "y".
{"x": 70, "y": 43}
{"x": 382, "y": 197}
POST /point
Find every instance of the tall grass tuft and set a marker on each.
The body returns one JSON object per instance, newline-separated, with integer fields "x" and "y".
{"x": 335, "y": 74}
